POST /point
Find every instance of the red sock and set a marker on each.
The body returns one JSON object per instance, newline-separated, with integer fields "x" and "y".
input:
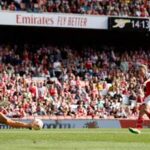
{"x": 140, "y": 123}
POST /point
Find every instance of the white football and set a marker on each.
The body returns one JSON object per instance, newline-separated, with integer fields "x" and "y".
{"x": 37, "y": 124}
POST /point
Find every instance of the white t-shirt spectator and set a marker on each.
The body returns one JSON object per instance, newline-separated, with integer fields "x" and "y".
{"x": 57, "y": 66}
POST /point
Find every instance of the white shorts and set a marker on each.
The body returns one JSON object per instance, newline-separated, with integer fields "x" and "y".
{"x": 147, "y": 100}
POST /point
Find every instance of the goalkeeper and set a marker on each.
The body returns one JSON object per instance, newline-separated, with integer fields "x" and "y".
{"x": 16, "y": 124}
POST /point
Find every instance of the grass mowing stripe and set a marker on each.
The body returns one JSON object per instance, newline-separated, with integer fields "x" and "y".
{"x": 76, "y": 139}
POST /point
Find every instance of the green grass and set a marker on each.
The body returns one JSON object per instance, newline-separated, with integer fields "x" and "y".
{"x": 74, "y": 139}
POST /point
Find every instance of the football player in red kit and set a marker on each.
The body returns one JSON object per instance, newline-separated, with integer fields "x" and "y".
{"x": 145, "y": 107}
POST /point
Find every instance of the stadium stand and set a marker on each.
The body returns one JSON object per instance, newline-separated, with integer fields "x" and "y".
{"x": 138, "y": 8}
{"x": 64, "y": 82}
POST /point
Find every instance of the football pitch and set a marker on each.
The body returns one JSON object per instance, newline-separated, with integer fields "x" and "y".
{"x": 74, "y": 139}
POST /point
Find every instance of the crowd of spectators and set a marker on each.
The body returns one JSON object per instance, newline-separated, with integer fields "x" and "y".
{"x": 64, "y": 81}
{"x": 139, "y": 8}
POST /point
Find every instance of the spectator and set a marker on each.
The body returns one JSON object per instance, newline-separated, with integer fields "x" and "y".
{"x": 138, "y": 8}
{"x": 90, "y": 87}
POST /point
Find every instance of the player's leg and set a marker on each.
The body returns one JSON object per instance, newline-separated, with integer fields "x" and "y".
{"x": 139, "y": 124}
{"x": 14, "y": 124}
{"x": 144, "y": 109}
{"x": 142, "y": 112}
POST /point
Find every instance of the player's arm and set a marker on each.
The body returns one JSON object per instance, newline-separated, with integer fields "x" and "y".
{"x": 13, "y": 123}
{"x": 18, "y": 124}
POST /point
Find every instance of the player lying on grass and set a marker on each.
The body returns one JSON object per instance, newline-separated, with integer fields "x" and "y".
{"x": 16, "y": 124}
{"x": 145, "y": 107}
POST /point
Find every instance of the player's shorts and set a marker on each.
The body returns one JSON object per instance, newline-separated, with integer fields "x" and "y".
{"x": 147, "y": 100}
